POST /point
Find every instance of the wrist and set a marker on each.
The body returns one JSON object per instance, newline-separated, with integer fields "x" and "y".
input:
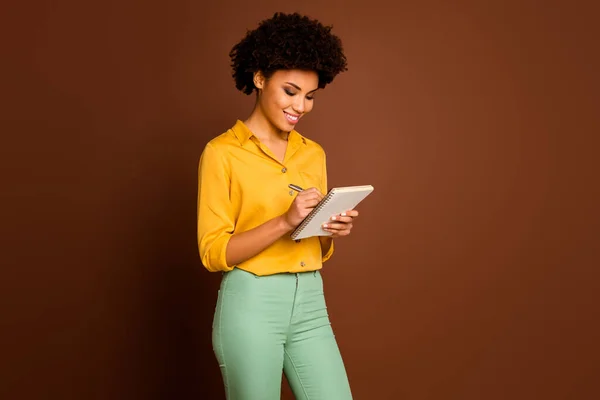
{"x": 283, "y": 224}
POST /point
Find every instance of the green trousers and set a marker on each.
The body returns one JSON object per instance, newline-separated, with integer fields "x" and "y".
{"x": 264, "y": 325}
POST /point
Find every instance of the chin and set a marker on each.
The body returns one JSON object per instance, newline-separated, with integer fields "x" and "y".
{"x": 285, "y": 126}
{"x": 282, "y": 124}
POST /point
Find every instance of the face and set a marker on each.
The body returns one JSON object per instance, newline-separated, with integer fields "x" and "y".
{"x": 286, "y": 96}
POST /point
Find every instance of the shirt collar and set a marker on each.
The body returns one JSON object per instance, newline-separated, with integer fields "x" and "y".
{"x": 242, "y": 133}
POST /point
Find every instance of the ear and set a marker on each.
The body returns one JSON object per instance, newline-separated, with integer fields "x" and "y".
{"x": 259, "y": 80}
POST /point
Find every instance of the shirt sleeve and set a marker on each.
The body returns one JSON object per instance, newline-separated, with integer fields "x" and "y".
{"x": 327, "y": 253}
{"x": 215, "y": 210}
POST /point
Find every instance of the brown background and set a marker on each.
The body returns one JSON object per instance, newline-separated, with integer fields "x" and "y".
{"x": 471, "y": 274}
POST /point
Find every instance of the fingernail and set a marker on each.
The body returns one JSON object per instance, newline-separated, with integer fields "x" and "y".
{"x": 343, "y": 214}
{"x": 324, "y": 225}
{"x": 333, "y": 218}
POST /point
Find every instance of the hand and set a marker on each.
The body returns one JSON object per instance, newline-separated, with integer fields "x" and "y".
{"x": 303, "y": 204}
{"x": 341, "y": 224}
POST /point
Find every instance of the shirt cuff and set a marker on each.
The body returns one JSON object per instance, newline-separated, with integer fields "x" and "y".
{"x": 329, "y": 251}
{"x": 215, "y": 259}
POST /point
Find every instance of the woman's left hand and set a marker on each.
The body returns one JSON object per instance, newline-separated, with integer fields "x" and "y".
{"x": 341, "y": 224}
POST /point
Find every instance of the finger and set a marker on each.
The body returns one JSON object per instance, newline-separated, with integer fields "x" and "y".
{"x": 341, "y": 219}
{"x": 309, "y": 195}
{"x": 350, "y": 213}
{"x": 312, "y": 190}
{"x": 332, "y": 226}
{"x": 312, "y": 200}
{"x": 335, "y": 234}
{"x": 310, "y": 204}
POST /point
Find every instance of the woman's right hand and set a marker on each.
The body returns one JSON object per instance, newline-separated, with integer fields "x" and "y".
{"x": 303, "y": 204}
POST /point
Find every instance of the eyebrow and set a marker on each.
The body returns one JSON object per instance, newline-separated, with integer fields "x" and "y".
{"x": 299, "y": 88}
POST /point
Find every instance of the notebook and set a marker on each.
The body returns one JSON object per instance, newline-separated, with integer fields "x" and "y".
{"x": 335, "y": 202}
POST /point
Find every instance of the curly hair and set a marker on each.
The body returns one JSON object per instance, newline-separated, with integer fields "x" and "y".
{"x": 287, "y": 41}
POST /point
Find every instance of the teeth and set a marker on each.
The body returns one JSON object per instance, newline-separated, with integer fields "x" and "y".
{"x": 291, "y": 117}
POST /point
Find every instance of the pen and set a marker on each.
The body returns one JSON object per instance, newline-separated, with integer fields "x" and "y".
{"x": 295, "y": 187}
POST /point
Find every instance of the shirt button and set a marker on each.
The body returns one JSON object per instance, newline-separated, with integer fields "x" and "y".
{"x": 291, "y": 192}
{"x": 302, "y": 264}
{"x": 284, "y": 170}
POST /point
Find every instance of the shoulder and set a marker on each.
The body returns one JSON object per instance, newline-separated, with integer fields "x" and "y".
{"x": 216, "y": 150}
{"x": 220, "y": 146}
{"x": 222, "y": 141}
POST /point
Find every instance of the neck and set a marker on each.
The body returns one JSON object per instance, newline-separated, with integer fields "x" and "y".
{"x": 262, "y": 128}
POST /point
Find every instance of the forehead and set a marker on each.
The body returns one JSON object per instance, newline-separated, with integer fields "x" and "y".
{"x": 307, "y": 80}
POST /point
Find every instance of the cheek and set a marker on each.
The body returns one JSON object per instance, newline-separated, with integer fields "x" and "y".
{"x": 276, "y": 103}
{"x": 309, "y": 106}
{"x": 282, "y": 102}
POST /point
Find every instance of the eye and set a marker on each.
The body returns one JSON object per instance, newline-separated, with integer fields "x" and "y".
{"x": 310, "y": 97}
{"x": 289, "y": 92}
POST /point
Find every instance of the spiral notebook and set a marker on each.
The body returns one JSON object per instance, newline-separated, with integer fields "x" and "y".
{"x": 335, "y": 202}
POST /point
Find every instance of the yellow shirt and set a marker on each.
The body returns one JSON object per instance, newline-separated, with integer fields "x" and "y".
{"x": 241, "y": 185}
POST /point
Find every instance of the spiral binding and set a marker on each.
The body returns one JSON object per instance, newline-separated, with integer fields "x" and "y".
{"x": 312, "y": 214}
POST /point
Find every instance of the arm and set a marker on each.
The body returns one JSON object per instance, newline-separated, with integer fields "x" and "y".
{"x": 216, "y": 219}
{"x": 326, "y": 241}
{"x": 220, "y": 249}
{"x": 245, "y": 245}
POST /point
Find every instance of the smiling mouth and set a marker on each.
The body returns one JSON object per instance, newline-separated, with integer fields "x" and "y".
{"x": 291, "y": 118}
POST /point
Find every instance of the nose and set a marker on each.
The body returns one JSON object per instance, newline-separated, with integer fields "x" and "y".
{"x": 298, "y": 105}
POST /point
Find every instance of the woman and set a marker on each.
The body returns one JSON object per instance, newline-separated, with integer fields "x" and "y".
{"x": 271, "y": 314}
